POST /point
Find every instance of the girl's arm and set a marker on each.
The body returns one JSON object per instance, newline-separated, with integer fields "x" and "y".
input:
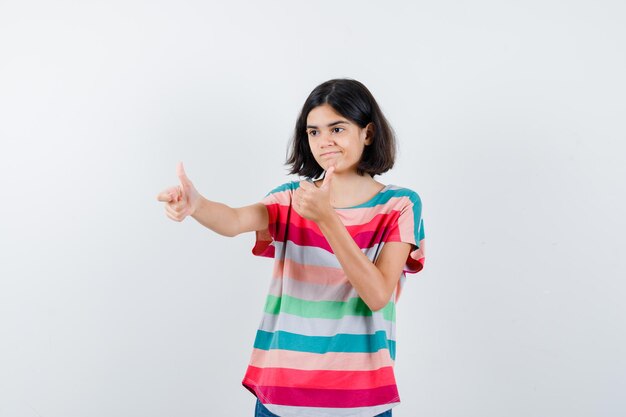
{"x": 185, "y": 200}
{"x": 373, "y": 282}
{"x": 228, "y": 221}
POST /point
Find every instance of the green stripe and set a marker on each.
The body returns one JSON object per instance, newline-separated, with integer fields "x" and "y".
{"x": 389, "y": 311}
{"x": 324, "y": 309}
{"x": 293, "y": 185}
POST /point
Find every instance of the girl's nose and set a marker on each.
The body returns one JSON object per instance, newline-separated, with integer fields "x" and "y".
{"x": 327, "y": 140}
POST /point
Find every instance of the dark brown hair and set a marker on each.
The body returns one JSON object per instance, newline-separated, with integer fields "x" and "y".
{"x": 352, "y": 100}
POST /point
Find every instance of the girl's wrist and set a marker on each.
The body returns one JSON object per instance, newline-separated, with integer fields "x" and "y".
{"x": 196, "y": 208}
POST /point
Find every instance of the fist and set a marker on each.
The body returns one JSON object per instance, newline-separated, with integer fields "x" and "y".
{"x": 313, "y": 203}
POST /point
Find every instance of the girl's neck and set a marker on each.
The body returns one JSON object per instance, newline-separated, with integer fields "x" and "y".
{"x": 347, "y": 190}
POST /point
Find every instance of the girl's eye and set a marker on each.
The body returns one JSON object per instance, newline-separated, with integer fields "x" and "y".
{"x": 312, "y": 132}
{"x": 337, "y": 129}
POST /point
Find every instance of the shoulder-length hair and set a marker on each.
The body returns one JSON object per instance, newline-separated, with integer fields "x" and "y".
{"x": 353, "y": 101}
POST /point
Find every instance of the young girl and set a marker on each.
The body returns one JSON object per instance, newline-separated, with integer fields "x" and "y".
{"x": 341, "y": 246}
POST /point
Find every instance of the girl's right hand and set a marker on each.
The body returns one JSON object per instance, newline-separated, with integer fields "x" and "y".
{"x": 180, "y": 201}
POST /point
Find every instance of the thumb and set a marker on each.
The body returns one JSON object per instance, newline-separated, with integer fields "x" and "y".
{"x": 182, "y": 176}
{"x": 328, "y": 177}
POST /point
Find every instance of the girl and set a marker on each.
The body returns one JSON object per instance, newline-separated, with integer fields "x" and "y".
{"x": 341, "y": 244}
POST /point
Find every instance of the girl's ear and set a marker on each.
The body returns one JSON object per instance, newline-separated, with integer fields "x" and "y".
{"x": 370, "y": 129}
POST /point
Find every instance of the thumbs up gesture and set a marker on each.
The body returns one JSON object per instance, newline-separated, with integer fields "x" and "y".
{"x": 182, "y": 200}
{"x": 311, "y": 202}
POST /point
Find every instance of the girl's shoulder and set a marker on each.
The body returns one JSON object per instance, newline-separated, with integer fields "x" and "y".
{"x": 397, "y": 191}
{"x": 285, "y": 187}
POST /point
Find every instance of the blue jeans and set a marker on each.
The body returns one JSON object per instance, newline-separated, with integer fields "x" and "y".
{"x": 261, "y": 411}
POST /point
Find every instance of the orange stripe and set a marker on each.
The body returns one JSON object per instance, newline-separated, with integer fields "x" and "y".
{"x": 314, "y": 274}
{"x": 275, "y": 358}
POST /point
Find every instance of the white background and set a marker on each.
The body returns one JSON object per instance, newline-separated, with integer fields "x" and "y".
{"x": 510, "y": 120}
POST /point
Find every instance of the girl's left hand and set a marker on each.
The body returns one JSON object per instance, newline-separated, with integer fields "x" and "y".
{"x": 313, "y": 203}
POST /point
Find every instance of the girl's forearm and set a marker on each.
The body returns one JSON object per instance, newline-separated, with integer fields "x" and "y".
{"x": 218, "y": 217}
{"x": 364, "y": 276}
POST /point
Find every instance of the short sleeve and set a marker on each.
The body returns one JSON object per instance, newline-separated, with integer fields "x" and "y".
{"x": 277, "y": 203}
{"x": 409, "y": 228}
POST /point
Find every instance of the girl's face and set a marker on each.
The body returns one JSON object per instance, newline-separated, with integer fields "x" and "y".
{"x": 335, "y": 140}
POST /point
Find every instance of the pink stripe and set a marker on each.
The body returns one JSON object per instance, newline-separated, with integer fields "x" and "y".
{"x": 352, "y": 217}
{"x": 282, "y": 197}
{"x": 380, "y": 218}
{"x": 357, "y": 216}
{"x": 309, "y": 237}
{"x": 262, "y": 246}
{"x": 314, "y": 274}
{"x": 406, "y": 226}
{"x": 416, "y": 259}
{"x": 321, "y": 379}
{"x": 274, "y": 358}
{"x": 373, "y": 222}
{"x": 299, "y": 397}
{"x": 305, "y": 236}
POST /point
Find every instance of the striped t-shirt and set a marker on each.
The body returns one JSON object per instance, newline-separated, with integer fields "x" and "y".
{"x": 319, "y": 350}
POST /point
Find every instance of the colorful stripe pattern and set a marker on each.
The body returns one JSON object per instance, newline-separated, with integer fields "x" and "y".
{"x": 320, "y": 351}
